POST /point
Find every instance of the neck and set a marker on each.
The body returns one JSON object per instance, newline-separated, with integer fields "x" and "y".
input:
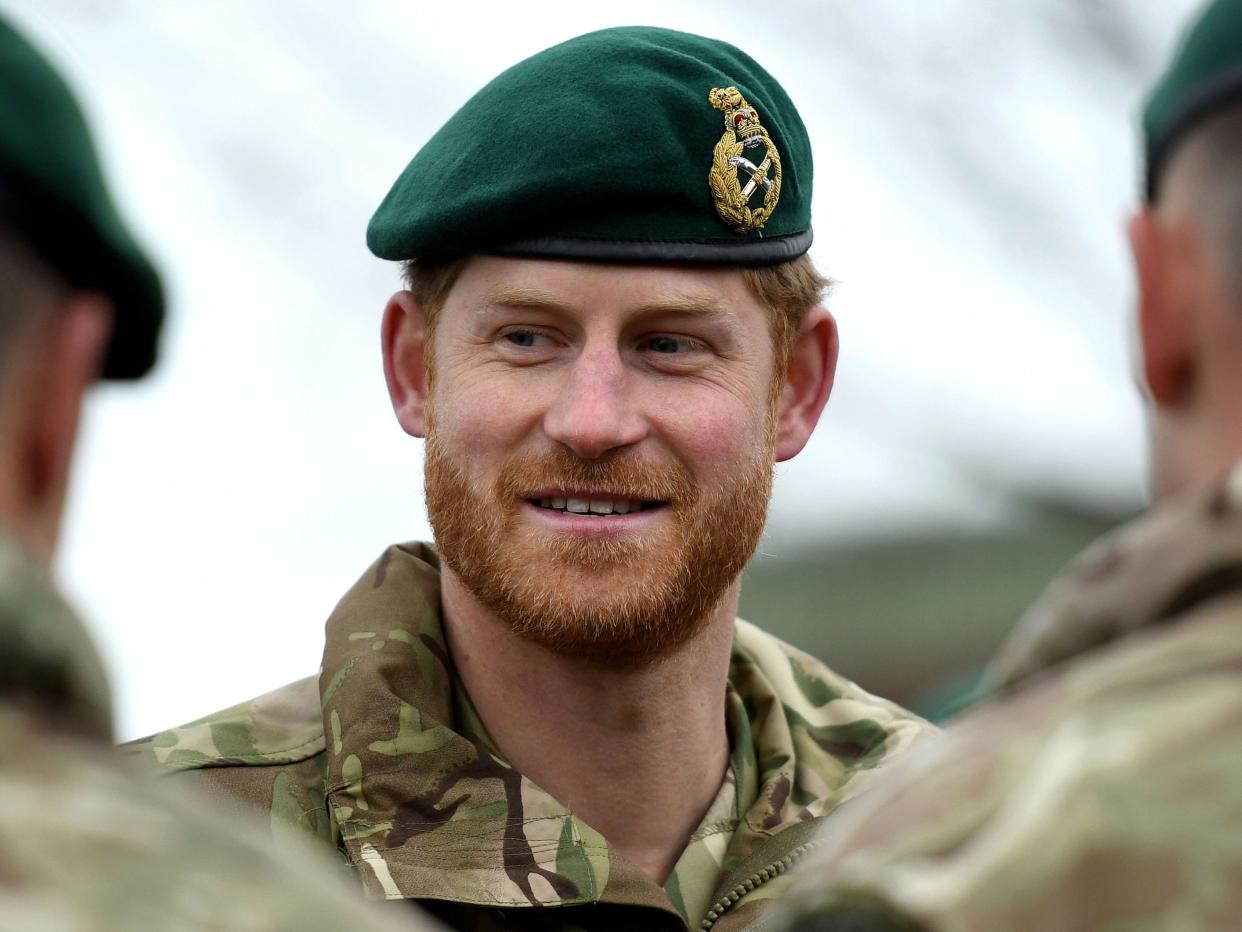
{"x": 31, "y": 522}
{"x": 637, "y": 754}
{"x": 1192, "y": 452}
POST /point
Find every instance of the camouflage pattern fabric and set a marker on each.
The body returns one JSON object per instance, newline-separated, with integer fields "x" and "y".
{"x": 47, "y": 660}
{"x": 87, "y": 845}
{"x": 384, "y": 758}
{"x": 1099, "y": 789}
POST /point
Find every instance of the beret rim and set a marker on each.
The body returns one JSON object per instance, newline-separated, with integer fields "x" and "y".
{"x": 94, "y": 253}
{"x": 768, "y": 251}
{"x": 1216, "y": 95}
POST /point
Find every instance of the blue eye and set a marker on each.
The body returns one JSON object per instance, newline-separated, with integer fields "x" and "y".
{"x": 665, "y": 344}
{"x": 521, "y": 337}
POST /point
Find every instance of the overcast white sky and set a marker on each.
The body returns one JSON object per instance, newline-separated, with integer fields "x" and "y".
{"x": 974, "y": 165}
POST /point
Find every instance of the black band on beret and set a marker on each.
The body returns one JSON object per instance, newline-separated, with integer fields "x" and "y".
{"x": 767, "y": 251}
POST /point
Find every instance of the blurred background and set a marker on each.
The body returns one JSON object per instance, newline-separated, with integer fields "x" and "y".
{"x": 975, "y": 163}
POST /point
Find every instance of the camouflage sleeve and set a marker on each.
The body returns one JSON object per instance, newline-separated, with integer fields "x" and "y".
{"x": 87, "y": 844}
{"x": 263, "y": 756}
{"x": 280, "y": 727}
{"x": 1074, "y": 805}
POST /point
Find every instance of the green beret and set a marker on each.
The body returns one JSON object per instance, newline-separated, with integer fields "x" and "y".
{"x": 1204, "y": 77}
{"x": 633, "y": 144}
{"x": 53, "y": 197}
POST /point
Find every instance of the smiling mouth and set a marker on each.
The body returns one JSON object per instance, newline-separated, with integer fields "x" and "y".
{"x": 595, "y": 507}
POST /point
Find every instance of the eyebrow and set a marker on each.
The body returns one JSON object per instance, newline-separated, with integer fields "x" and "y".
{"x": 534, "y": 299}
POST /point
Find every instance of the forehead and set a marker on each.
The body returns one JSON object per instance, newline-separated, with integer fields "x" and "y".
{"x": 590, "y": 288}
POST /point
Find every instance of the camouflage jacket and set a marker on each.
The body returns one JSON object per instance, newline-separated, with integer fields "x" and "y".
{"x": 85, "y": 843}
{"x": 1099, "y": 788}
{"x": 384, "y": 758}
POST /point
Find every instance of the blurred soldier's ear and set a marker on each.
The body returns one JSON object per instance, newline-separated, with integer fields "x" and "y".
{"x": 404, "y": 337}
{"x": 1165, "y": 318}
{"x": 808, "y": 382}
{"x": 62, "y": 359}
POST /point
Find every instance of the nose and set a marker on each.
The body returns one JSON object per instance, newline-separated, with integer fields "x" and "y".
{"x": 595, "y": 411}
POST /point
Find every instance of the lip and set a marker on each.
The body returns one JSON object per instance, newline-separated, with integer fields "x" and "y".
{"x": 597, "y": 527}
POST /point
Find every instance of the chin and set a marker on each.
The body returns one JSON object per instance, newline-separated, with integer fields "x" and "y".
{"x": 616, "y": 616}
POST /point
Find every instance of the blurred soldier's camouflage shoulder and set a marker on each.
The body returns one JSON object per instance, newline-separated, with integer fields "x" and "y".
{"x": 1099, "y": 789}
{"x": 86, "y": 841}
{"x": 384, "y": 758}
{"x": 87, "y": 844}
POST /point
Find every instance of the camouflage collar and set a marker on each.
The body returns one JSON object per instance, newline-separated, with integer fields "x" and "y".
{"x": 47, "y": 660}
{"x": 1149, "y": 573}
{"x": 428, "y": 810}
{"x": 425, "y": 811}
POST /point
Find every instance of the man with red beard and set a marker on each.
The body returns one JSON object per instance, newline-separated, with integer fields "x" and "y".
{"x": 553, "y": 719}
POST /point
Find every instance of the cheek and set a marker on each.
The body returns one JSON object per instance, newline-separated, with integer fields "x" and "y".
{"x": 478, "y": 419}
{"x": 717, "y": 434}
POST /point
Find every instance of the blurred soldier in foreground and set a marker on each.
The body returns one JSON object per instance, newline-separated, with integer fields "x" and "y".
{"x": 611, "y": 334}
{"x": 85, "y": 844}
{"x": 1099, "y": 787}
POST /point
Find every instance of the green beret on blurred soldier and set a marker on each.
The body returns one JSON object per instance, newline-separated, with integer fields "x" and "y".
{"x": 85, "y": 841}
{"x": 1097, "y": 788}
{"x": 609, "y": 333}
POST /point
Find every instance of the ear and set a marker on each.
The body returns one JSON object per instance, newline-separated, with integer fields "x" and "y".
{"x": 404, "y": 336}
{"x": 74, "y": 340}
{"x": 808, "y": 382}
{"x": 1164, "y": 326}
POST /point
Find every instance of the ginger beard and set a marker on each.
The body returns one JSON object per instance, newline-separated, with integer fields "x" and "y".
{"x": 626, "y": 601}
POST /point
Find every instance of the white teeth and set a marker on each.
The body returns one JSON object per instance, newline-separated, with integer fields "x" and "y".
{"x": 582, "y": 506}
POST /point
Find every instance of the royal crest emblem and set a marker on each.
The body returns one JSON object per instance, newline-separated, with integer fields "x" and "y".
{"x": 743, "y": 131}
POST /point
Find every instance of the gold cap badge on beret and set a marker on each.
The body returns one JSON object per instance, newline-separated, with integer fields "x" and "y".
{"x": 743, "y": 131}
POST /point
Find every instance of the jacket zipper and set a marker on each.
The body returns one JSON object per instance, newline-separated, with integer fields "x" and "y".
{"x": 755, "y": 880}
